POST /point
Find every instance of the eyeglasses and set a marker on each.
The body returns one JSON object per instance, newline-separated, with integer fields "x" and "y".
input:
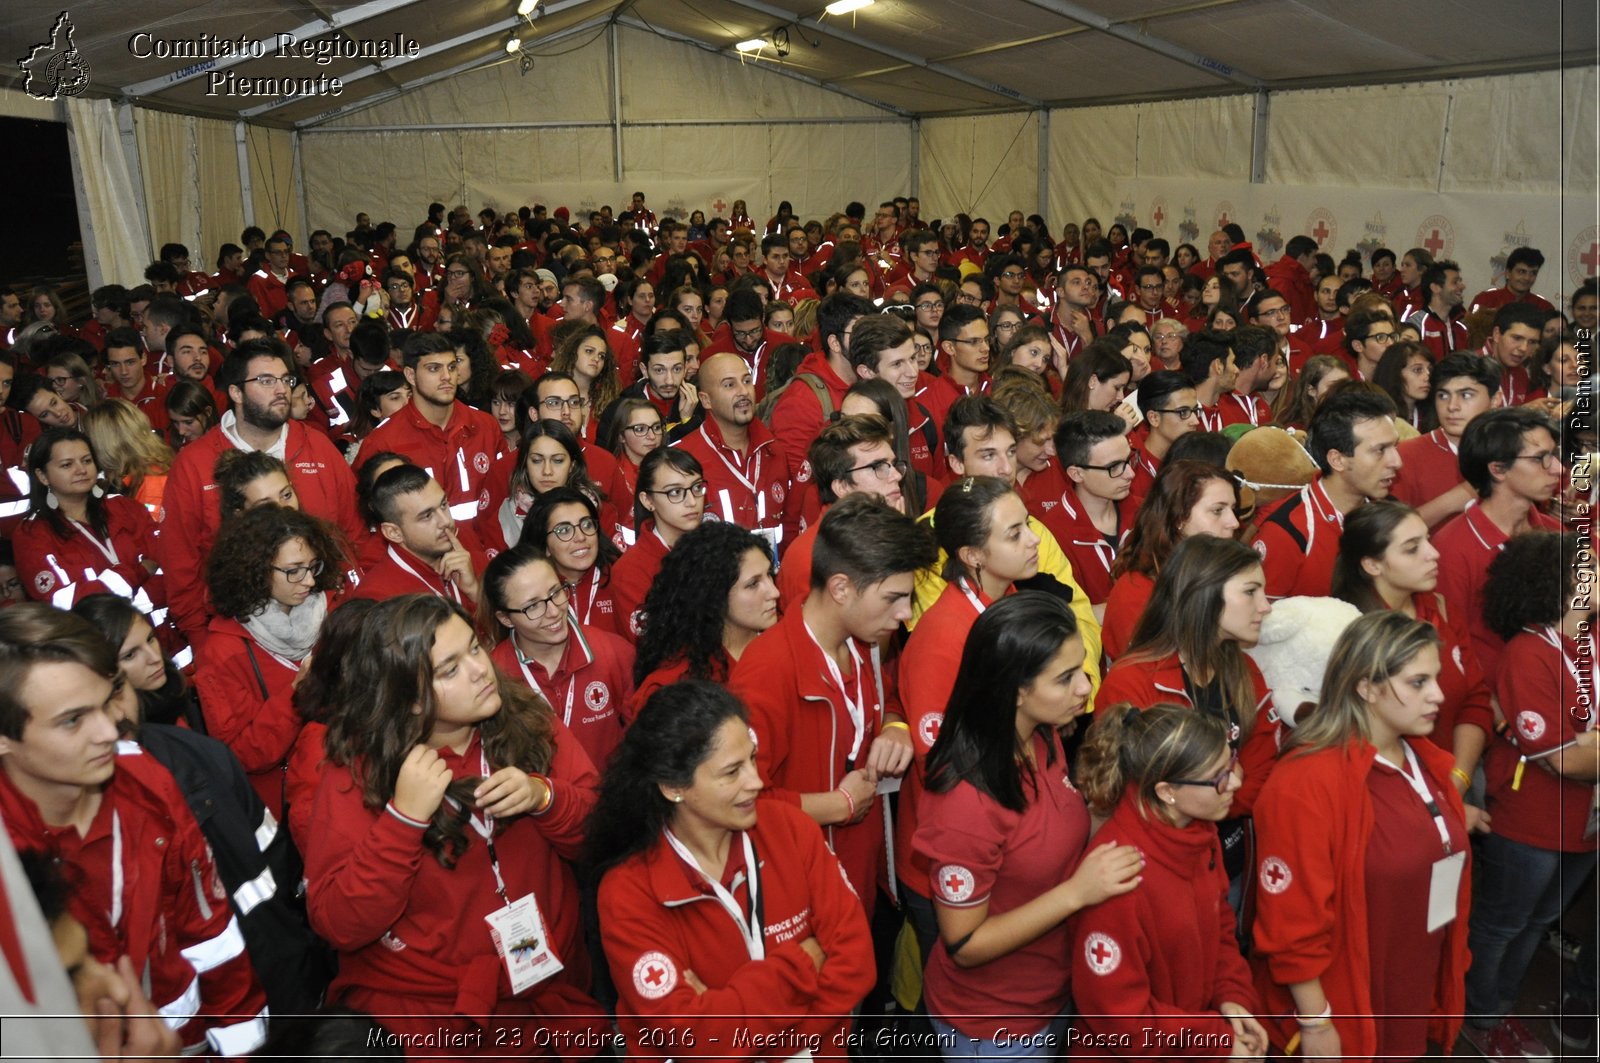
{"x": 928, "y": 306}
{"x": 267, "y": 380}
{"x": 1548, "y": 458}
{"x": 644, "y": 429}
{"x": 884, "y": 468}
{"x": 566, "y": 529}
{"x": 296, "y": 573}
{"x": 1153, "y": 287}
{"x": 677, "y": 494}
{"x": 457, "y": 273}
{"x": 556, "y": 402}
{"x": 747, "y": 333}
{"x": 1115, "y": 468}
{"x": 1008, "y": 326}
{"x": 967, "y": 299}
{"x": 974, "y": 339}
{"x": 1182, "y": 413}
{"x": 1283, "y": 311}
{"x": 1012, "y": 275}
{"x": 1380, "y": 337}
{"x": 1220, "y": 783}
{"x": 540, "y": 608}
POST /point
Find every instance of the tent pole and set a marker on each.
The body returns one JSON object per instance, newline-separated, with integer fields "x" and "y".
{"x": 616, "y": 101}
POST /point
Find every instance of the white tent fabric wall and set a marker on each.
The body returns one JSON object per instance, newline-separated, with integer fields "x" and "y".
{"x": 113, "y": 220}
{"x": 276, "y": 203}
{"x": 980, "y": 165}
{"x": 712, "y": 144}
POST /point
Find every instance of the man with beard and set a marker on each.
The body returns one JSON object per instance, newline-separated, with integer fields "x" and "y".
{"x": 1439, "y": 319}
{"x": 746, "y": 470}
{"x": 257, "y": 378}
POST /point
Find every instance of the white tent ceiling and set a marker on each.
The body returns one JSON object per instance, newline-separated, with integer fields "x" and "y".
{"x": 911, "y": 57}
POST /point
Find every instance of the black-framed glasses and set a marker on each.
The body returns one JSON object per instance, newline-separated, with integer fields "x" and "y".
{"x": 747, "y": 333}
{"x": 458, "y": 273}
{"x": 267, "y": 380}
{"x": 1544, "y": 457}
{"x": 677, "y": 493}
{"x": 928, "y": 306}
{"x": 883, "y": 467}
{"x": 973, "y": 339}
{"x": 1182, "y": 413}
{"x": 296, "y": 573}
{"x": 556, "y": 402}
{"x": 566, "y": 529}
{"x": 540, "y": 608}
{"x": 1012, "y": 275}
{"x": 1115, "y": 468}
{"x": 1219, "y": 784}
{"x": 642, "y": 430}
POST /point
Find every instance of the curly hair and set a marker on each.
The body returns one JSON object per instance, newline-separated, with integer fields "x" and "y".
{"x": 236, "y": 469}
{"x": 691, "y": 590}
{"x": 376, "y": 723}
{"x": 1530, "y": 579}
{"x": 606, "y": 386}
{"x": 239, "y": 571}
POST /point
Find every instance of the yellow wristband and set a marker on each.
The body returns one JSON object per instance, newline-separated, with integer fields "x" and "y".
{"x": 1457, "y": 773}
{"x": 898, "y": 723}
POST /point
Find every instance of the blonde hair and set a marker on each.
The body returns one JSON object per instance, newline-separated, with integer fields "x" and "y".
{"x": 1374, "y": 649}
{"x": 125, "y": 445}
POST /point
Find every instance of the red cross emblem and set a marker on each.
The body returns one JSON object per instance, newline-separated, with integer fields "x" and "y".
{"x": 1591, "y": 258}
{"x": 1223, "y": 220}
{"x": 654, "y": 975}
{"x": 1434, "y": 243}
{"x": 1275, "y": 875}
{"x": 720, "y": 205}
{"x": 955, "y": 882}
{"x": 1159, "y": 216}
{"x": 1320, "y": 232}
{"x": 1103, "y": 954}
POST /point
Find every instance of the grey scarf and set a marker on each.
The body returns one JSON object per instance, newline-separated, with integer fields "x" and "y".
{"x": 290, "y": 634}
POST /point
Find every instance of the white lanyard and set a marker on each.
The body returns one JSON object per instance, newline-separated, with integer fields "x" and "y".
{"x": 485, "y": 829}
{"x": 448, "y": 586}
{"x": 977, "y": 603}
{"x": 1244, "y": 403}
{"x": 116, "y": 869}
{"x": 1206, "y": 419}
{"x": 107, "y": 548}
{"x": 1552, "y": 637}
{"x": 856, "y": 708}
{"x": 738, "y": 473}
{"x": 594, "y": 592}
{"x": 1412, "y": 773}
{"x": 527, "y": 673}
{"x": 749, "y": 926}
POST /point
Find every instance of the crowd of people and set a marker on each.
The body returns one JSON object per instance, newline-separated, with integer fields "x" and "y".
{"x": 668, "y": 638}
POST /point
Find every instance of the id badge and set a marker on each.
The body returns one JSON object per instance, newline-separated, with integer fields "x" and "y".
{"x": 520, "y": 938}
{"x": 1444, "y": 890}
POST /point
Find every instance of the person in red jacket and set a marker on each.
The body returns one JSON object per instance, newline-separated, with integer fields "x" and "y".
{"x": 825, "y": 721}
{"x": 716, "y": 590}
{"x": 452, "y": 800}
{"x": 1362, "y": 870}
{"x": 584, "y": 558}
{"x": 672, "y": 490}
{"x": 1291, "y": 275}
{"x": 1188, "y": 648}
{"x": 422, "y": 553}
{"x": 746, "y": 469}
{"x": 1522, "y": 270}
{"x": 1386, "y": 562}
{"x": 455, "y": 443}
{"x": 1089, "y": 517}
{"x": 1352, "y": 439}
{"x": 77, "y": 539}
{"x": 258, "y": 377}
{"x": 1187, "y": 498}
{"x": 1157, "y": 973}
{"x": 147, "y": 885}
{"x": 273, "y": 576}
{"x": 1461, "y": 386}
{"x": 584, "y": 674}
{"x": 1005, "y": 835}
{"x": 800, "y": 414}
{"x": 727, "y": 922}
{"x": 1540, "y": 776}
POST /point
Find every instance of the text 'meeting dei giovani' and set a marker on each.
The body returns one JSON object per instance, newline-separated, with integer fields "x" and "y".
{"x": 208, "y": 50}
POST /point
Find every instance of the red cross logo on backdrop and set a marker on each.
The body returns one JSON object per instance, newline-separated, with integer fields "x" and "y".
{"x": 955, "y": 882}
{"x": 1591, "y": 258}
{"x": 1223, "y": 220}
{"x": 1434, "y": 243}
{"x": 1320, "y": 232}
{"x": 1159, "y": 215}
{"x": 1102, "y": 952}
{"x": 720, "y": 205}
{"x": 1275, "y": 876}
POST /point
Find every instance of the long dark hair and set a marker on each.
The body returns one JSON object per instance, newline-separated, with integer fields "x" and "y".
{"x": 1007, "y": 649}
{"x": 1368, "y": 532}
{"x": 39, "y": 455}
{"x": 671, "y": 737}
{"x": 388, "y": 708}
{"x": 321, "y": 688}
{"x": 690, "y": 594}
{"x": 1172, "y": 498}
{"x": 114, "y": 616}
{"x": 549, "y": 428}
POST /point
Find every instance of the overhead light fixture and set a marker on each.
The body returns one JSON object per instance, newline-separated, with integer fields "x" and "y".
{"x": 530, "y": 9}
{"x": 754, "y": 44}
{"x": 844, "y": 7}
{"x": 514, "y": 45}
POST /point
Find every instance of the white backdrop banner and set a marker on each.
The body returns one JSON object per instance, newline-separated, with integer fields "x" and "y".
{"x": 1477, "y": 230}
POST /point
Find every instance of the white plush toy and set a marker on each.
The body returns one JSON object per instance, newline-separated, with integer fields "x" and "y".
{"x": 1296, "y": 641}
